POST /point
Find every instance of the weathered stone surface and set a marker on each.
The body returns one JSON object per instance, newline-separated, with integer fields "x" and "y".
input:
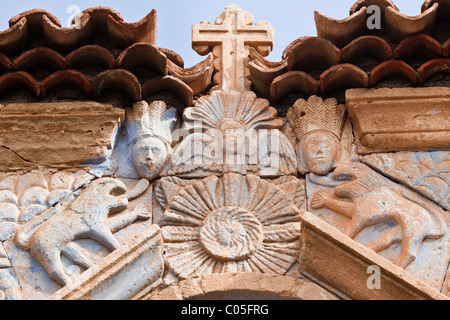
{"x": 123, "y": 273}
{"x": 400, "y": 119}
{"x": 244, "y": 286}
{"x": 232, "y": 34}
{"x": 331, "y": 257}
{"x": 318, "y": 125}
{"x": 400, "y": 225}
{"x": 426, "y": 172}
{"x": 231, "y": 132}
{"x": 62, "y": 134}
{"x": 230, "y": 224}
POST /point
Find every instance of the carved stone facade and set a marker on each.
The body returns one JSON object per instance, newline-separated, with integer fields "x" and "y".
{"x": 124, "y": 175}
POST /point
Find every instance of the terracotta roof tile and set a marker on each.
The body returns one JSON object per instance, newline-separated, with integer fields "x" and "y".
{"x": 143, "y": 55}
{"x": 312, "y": 53}
{"x": 341, "y": 77}
{"x": 198, "y": 78}
{"x": 341, "y": 32}
{"x": 432, "y": 67}
{"x": 40, "y": 57}
{"x": 383, "y": 4}
{"x": 366, "y": 46}
{"x": 118, "y": 79}
{"x": 169, "y": 83}
{"x": 123, "y": 34}
{"x": 391, "y": 69}
{"x": 293, "y": 82}
{"x": 34, "y": 20}
{"x": 400, "y": 26}
{"x": 66, "y": 77}
{"x": 446, "y": 48}
{"x": 19, "y": 79}
{"x": 91, "y": 54}
{"x": 5, "y": 64}
{"x": 443, "y": 9}
{"x": 13, "y": 39}
{"x": 421, "y": 44}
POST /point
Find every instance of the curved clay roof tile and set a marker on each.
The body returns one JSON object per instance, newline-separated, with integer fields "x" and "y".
{"x": 198, "y": 78}
{"x": 263, "y": 72}
{"x": 173, "y": 56}
{"x": 400, "y": 26}
{"x": 118, "y": 79}
{"x": 432, "y": 67}
{"x": 99, "y": 16}
{"x": 443, "y": 9}
{"x": 66, "y": 38}
{"x": 341, "y": 77}
{"x": 341, "y": 32}
{"x": 40, "y": 57}
{"x": 292, "y": 82}
{"x": 391, "y": 69}
{"x": 382, "y": 4}
{"x": 18, "y": 79}
{"x": 446, "y": 48}
{"x": 123, "y": 34}
{"x": 91, "y": 55}
{"x": 312, "y": 53}
{"x": 418, "y": 45}
{"x": 15, "y": 38}
{"x": 169, "y": 83}
{"x": 143, "y": 55}
{"x": 62, "y": 77}
{"x": 5, "y": 63}
{"x": 366, "y": 46}
{"x": 34, "y": 20}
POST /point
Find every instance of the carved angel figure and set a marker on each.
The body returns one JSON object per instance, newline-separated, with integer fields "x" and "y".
{"x": 318, "y": 125}
{"x": 149, "y": 129}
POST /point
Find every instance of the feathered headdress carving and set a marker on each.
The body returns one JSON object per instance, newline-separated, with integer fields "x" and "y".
{"x": 317, "y": 115}
{"x": 154, "y": 120}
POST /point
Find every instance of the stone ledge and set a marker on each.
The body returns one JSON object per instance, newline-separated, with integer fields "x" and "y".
{"x": 325, "y": 249}
{"x": 400, "y": 119}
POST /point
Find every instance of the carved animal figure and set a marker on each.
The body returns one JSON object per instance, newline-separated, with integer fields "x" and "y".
{"x": 86, "y": 217}
{"x": 373, "y": 202}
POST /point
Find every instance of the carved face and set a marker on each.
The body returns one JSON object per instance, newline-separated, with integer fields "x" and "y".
{"x": 149, "y": 157}
{"x": 319, "y": 151}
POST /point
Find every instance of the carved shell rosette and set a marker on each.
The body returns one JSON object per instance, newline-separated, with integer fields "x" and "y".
{"x": 233, "y": 223}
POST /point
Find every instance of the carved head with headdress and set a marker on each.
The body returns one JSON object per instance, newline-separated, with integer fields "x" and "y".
{"x": 318, "y": 125}
{"x": 149, "y": 129}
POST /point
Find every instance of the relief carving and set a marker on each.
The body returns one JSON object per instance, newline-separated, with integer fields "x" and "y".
{"x": 54, "y": 231}
{"x": 232, "y": 132}
{"x": 149, "y": 134}
{"x": 233, "y": 223}
{"x": 373, "y": 202}
{"x": 318, "y": 125}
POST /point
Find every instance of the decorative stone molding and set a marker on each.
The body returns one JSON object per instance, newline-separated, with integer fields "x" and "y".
{"x": 400, "y": 119}
{"x": 123, "y": 273}
{"x": 333, "y": 258}
{"x": 58, "y": 134}
{"x": 244, "y": 286}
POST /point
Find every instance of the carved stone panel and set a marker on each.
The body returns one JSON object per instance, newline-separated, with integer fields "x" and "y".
{"x": 232, "y": 223}
{"x": 399, "y": 224}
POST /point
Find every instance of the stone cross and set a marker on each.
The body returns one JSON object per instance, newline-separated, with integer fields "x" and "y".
{"x": 233, "y": 33}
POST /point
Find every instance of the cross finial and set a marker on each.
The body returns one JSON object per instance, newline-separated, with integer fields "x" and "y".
{"x": 229, "y": 39}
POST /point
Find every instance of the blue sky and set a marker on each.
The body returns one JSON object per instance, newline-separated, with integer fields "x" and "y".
{"x": 291, "y": 19}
